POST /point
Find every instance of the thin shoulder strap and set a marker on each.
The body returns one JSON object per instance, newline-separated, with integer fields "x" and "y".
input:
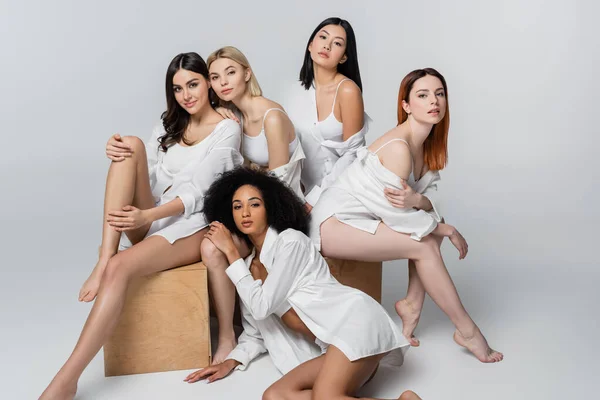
{"x": 267, "y": 112}
{"x": 336, "y": 92}
{"x": 393, "y": 140}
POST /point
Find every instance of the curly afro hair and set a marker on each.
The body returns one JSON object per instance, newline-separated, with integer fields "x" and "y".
{"x": 284, "y": 209}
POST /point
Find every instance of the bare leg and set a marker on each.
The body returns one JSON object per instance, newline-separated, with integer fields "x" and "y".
{"x": 149, "y": 256}
{"x": 331, "y": 376}
{"x": 409, "y": 308}
{"x": 223, "y": 293}
{"x": 127, "y": 183}
{"x": 387, "y": 244}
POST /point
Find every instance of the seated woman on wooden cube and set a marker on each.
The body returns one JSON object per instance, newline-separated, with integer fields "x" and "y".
{"x": 384, "y": 209}
{"x": 154, "y": 195}
{"x": 353, "y": 331}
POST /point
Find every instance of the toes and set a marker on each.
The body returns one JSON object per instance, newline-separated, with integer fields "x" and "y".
{"x": 414, "y": 341}
{"x": 88, "y": 297}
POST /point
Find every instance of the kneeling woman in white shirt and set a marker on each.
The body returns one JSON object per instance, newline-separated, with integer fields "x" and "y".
{"x": 268, "y": 141}
{"x": 326, "y": 106}
{"x": 359, "y": 209}
{"x": 354, "y": 331}
{"x": 154, "y": 194}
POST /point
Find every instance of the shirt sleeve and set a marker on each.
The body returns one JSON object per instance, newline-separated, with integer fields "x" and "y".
{"x": 223, "y": 156}
{"x": 250, "y": 343}
{"x": 432, "y": 194}
{"x": 266, "y": 298}
{"x": 290, "y": 173}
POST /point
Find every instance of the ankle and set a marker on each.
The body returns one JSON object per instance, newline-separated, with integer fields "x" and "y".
{"x": 468, "y": 332}
{"x": 227, "y": 337}
{"x": 413, "y": 305}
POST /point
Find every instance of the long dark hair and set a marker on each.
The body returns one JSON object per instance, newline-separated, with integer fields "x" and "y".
{"x": 435, "y": 147}
{"x": 176, "y": 119}
{"x": 284, "y": 209}
{"x": 348, "y": 68}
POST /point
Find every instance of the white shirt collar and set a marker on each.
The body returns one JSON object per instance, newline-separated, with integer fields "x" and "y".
{"x": 266, "y": 254}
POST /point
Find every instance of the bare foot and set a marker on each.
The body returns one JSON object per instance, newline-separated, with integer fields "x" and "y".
{"x": 410, "y": 318}
{"x": 223, "y": 349}
{"x": 89, "y": 290}
{"x": 409, "y": 395}
{"x": 477, "y": 345}
{"x": 57, "y": 390}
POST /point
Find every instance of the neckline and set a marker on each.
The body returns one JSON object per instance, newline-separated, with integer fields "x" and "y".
{"x": 332, "y": 105}
{"x": 328, "y": 117}
{"x": 203, "y": 140}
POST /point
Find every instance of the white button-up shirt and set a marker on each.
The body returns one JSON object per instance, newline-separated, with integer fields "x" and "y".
{"x": 325, "y": 159}
{"x": 298, "y": 276}
{"x": 217, "y": 153}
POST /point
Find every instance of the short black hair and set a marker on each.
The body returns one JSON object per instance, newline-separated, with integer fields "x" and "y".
{"x": 284, "y": 209}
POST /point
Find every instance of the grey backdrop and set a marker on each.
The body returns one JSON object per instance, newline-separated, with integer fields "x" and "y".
{"x": 521, "y": 183}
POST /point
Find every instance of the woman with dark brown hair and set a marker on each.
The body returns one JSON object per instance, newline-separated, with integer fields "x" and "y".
{"x": 154, "y": 197}
{"x": 384, "y": 208}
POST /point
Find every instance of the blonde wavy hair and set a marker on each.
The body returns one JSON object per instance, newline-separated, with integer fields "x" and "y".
{"x": 234, "y": 54}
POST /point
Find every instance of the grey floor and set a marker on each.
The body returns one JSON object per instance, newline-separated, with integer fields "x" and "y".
{"x": 542, "y": 316}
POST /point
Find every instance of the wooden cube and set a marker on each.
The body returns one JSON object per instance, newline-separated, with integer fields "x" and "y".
{"x": 164, "y": 325}
{"x": 361, "y": 275}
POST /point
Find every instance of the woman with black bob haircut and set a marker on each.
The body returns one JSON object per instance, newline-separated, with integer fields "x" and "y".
{"x": 154, "y": 195}
{"x": 351, "y": 329}
{"x": 326, "y": 106}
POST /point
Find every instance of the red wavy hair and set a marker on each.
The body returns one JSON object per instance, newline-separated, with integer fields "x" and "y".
{"x": 435, "y": 147}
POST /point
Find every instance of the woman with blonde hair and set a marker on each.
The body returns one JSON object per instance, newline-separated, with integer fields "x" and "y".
{"x": 269, "y": 142}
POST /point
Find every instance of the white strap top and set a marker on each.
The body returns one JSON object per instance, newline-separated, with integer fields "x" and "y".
{"x": 411, "y": 176}
{"x": 330, "y": 127}
{"x": 255, "y": 148}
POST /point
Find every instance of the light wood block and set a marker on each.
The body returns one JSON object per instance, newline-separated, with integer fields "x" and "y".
{"x": 164, "y": 325}
{"x": 361, "y": 275}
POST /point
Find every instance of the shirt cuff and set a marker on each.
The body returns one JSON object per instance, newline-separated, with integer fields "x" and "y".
{"x": 240, "y": 356}
{"x": 435, "y": 209}
{"x": 188, "y": 203}
{"x": 237, "y": 271}
{"x": 282, "y": 309}
{"x": 313, "y": 196}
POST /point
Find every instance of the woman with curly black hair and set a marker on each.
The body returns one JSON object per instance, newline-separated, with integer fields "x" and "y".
{"x": 353, "y": 330}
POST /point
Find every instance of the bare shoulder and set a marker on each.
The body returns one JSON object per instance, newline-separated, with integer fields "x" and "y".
{"x": 277, "y": 123}
{"x": 394, "y": 153}
{"x": 349, "y": 91}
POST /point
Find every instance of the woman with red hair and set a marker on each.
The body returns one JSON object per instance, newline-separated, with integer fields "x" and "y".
{"x": 384, "y": 208}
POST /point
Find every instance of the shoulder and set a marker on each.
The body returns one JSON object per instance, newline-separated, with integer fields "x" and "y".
{"x": 293, "y": 238}
{"x": 349, "y": 91}
{"x": 229, "y": 126}
{"x": 396, "y": 156}
{"x": 276, "y": 121}
{"x": 159, "y": 128}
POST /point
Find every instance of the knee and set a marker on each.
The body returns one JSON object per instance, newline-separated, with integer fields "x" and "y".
{"x": 275, "y": 393}
{"x": 133, "y": 141}
{"x": 210, "y": 254}
{"x": 136, "y": 144}
{"x": 409, "y": 395}
{"x": 114, "y": 272}
{"x": 429, "y": 247}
